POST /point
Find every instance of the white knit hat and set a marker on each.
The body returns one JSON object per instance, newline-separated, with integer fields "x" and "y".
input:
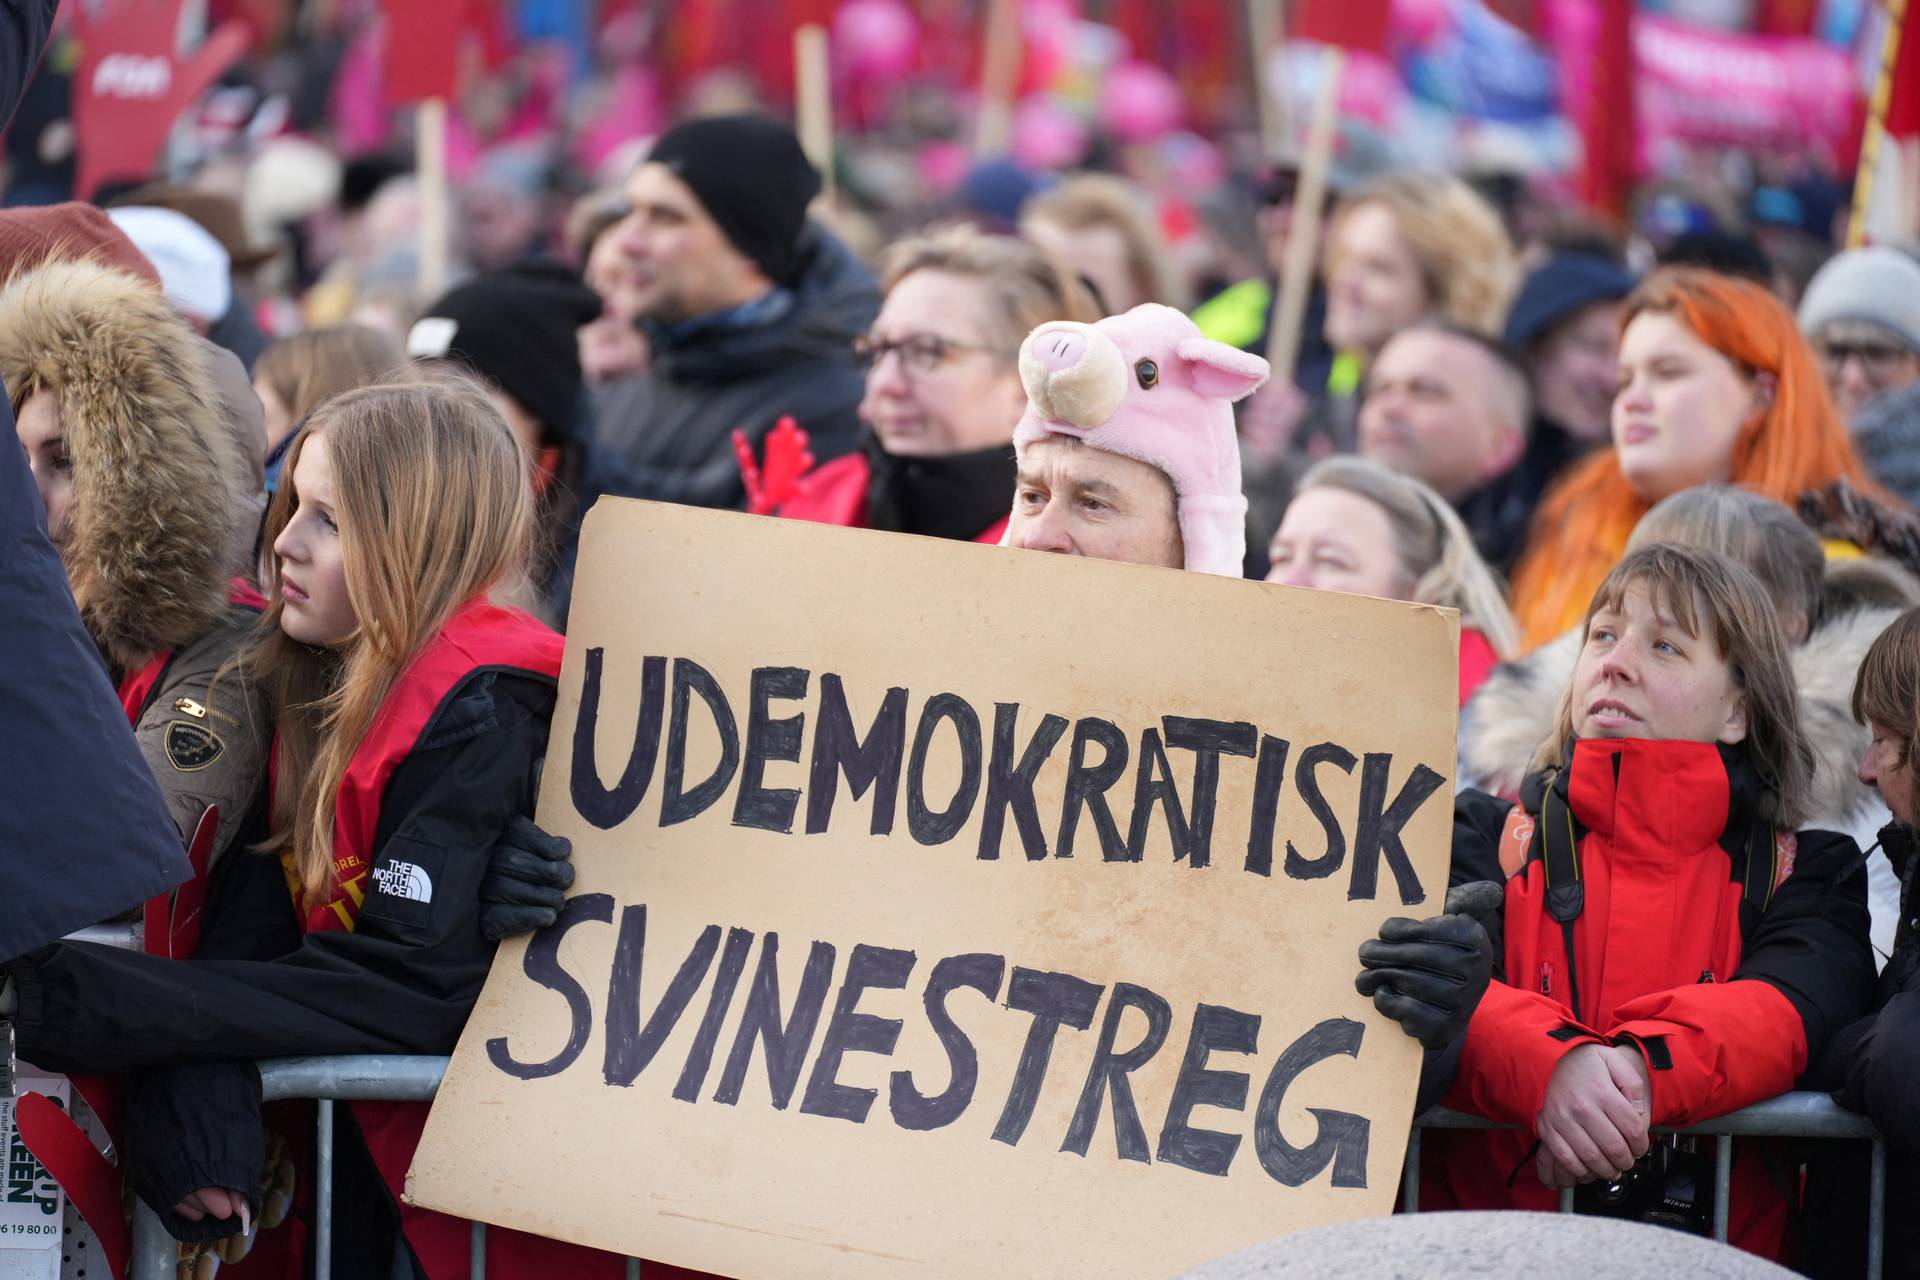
{"x": 1878, "y": 285}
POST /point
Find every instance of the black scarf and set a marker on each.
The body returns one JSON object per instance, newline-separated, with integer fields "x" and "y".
{"x": 959, "y": 495}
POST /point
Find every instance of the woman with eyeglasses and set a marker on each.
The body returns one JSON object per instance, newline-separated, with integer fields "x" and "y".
{"x": 943, "y": 388}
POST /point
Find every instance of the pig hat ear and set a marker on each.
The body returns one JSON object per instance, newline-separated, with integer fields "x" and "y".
{"x": 1220, "y": 370}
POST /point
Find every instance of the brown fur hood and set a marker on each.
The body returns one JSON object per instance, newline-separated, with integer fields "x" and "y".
{"x": 1512, "y": 713}
{"x": 156, "y": 469}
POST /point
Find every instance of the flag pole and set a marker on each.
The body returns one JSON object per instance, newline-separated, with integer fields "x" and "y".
{"x": 1876, "y": 133}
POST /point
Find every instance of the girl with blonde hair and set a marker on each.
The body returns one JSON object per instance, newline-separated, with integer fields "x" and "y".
{"x": 1355, "y": 526}
{"x": 410, "y": 713}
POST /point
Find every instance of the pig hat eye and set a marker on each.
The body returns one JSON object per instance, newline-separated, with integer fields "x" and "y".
{"x": 1147, "y": 374}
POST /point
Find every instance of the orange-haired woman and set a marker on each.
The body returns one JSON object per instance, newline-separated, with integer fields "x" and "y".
{"x": 1716, "y": 385}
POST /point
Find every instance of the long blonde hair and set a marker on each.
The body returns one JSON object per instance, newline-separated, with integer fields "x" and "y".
{"x": 1435, "y": 550}
{"x": 435, "y": 509}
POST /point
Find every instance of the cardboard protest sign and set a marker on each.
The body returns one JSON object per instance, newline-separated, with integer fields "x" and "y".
{"x": 953, "y": 911}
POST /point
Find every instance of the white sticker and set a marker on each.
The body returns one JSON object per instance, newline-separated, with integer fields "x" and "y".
{"x": 31, "y": 1203}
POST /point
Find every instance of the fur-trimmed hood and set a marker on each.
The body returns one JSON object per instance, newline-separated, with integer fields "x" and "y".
{"x": 157, "y": 471}
{"x": 1512, "y": 714}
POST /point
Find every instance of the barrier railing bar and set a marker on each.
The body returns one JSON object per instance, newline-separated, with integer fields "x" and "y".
{"x": 412, "y": 1078}
{"x": 477, "y": 1255}
{"x": 1410, "y": 1173}
{"x": 323, "y": 1192}
{"x": 1877, "y": 1209}
{"x": 1722, "y": 1183}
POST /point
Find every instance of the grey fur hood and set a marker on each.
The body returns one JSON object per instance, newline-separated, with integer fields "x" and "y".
{"x": 1513, "y": 712}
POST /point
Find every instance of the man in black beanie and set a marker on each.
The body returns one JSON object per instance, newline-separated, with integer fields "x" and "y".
{"x": 751, "y": 312}
{"x": 516, "y": 329}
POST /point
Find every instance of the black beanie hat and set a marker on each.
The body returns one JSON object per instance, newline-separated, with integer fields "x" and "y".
{"x": 517, "y": 327}
{"x": 753, "y": 180}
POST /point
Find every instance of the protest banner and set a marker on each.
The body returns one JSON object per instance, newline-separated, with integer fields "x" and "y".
{"x": 952, "y": 910}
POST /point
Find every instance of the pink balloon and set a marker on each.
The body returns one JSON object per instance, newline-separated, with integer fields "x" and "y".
{"x": 1046, "y": 135}
{"x": 1419, "y": 22}
{"x": 1139, "y": 102}
{"x": 875, "y": 39}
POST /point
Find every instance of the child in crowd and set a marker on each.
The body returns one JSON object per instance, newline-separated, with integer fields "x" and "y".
{"x": 409, "y": 714}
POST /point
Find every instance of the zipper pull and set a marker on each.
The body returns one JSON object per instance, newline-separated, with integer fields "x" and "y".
{"x": 1546, "y": 978}
{"x": 200, "y": 711}
{"x": 1706, "y": 975}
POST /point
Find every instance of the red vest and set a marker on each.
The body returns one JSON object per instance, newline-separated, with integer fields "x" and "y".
{"x": 479, "y": 637}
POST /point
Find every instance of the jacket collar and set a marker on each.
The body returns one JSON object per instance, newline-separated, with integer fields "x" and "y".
{"x": 1680, "y": 795}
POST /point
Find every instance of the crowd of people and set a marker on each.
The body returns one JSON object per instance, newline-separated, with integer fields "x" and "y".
{"x": 319, "y": 535}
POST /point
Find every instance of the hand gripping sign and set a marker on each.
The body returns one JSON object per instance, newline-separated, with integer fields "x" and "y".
{"x": 951, "y": 910}
{"x": 134, "y": 81}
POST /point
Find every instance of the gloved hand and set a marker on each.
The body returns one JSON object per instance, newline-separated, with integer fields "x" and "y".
{"x": 526, "y": 882}
{"x": 1428, "y": 975}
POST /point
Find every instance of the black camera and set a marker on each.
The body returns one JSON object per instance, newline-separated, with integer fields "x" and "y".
{"x": 1670, "y": 1186}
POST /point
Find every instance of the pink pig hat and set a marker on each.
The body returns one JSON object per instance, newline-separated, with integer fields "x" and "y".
{"x": 1146, "y": 385}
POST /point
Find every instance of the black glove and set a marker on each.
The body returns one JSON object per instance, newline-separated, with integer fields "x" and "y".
{"x": 1428, "y": 975}
{"x": 526, "y": 882}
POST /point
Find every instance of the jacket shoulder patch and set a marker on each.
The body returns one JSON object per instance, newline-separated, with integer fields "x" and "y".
{"x": 191, "y": 747}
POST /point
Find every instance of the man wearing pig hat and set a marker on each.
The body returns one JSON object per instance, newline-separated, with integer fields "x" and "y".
{"x": 1127, "y": 448}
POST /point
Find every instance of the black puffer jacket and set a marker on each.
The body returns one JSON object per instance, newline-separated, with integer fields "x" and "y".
{"x": 1870, "y": 1066}
{"x": 667, "y": 434}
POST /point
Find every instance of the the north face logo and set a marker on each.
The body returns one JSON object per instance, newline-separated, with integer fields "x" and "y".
{"x": 404, "y": 880}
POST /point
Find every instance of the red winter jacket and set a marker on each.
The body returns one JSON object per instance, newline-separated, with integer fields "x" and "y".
{"x": 836, "y": 493}
{"x": 1725, "y": 998}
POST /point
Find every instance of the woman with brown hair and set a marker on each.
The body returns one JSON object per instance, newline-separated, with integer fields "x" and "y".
{"x": 1673, "y": 947}
{"x": 1717, "y": 386}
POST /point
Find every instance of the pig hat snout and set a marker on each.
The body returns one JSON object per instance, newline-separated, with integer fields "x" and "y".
{"x": 1073, "y": 373}
{"x": 1148, "y": 386}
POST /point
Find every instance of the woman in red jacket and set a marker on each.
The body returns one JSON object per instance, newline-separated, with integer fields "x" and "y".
{"x": 1673, "y": 950}
{"x": 943, "y": 388}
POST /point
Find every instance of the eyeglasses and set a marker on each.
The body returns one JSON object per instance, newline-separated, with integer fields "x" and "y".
{"x": 919, "y": 352}
{"x": 1877, "y": 359}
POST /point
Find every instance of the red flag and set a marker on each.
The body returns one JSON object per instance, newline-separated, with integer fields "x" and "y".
{"x": 1903, "y": 97}
{"x": 423, "y": 49}
{"x": 1607, "y": 125}
{"x": 133, "y": 82}
{"x": 1357, "y": 25}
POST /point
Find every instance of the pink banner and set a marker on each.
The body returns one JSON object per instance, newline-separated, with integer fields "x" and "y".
{"x": 1701, "y": 87}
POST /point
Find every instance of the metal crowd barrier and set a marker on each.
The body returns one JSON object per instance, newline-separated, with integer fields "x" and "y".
{"x": 395, "y": 1078}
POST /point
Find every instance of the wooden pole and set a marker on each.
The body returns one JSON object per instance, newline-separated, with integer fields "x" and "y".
{"x": 1876, "y": 132}
{"x": 813, "y": 101}
{"x": 1264, "y": 34}
{"x": 431, "y": 161}
{"x": 1283, "y": 341}
{"x": 1000, "y": 76}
